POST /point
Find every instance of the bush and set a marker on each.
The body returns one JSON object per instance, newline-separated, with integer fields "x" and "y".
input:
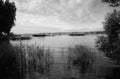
{"x": 111, "y": 50}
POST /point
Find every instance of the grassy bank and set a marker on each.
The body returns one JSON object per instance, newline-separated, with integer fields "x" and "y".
{"x": 21, "y": 61}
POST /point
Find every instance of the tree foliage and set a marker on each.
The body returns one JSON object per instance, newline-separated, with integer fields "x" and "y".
{"x": 111, "y": 50}
{"x": 110, "y": 42}
{"x": 112, "y": 25}
{"x": 113, "y": 3}
{"x": 7, "y": 17}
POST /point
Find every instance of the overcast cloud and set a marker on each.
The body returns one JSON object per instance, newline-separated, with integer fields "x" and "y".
{"x": 68, "y": 14}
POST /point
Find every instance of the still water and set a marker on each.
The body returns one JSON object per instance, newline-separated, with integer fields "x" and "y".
{"x": 58, "y": 42}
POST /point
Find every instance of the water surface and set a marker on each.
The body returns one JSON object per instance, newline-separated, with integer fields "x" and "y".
{"x": 58, "y": 42}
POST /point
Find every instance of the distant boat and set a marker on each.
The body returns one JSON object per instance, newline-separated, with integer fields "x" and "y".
{"x": 40, "y": 35}
{"x": 82, "y": 34}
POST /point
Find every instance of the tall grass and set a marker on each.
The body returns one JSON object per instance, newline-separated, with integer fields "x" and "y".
{"x": 25, "y": 61}
{"x": 90, "y": 63}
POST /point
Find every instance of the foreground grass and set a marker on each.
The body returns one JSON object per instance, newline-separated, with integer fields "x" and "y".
{"x": 22, "y": 61}
{"x": 90, "y": 63}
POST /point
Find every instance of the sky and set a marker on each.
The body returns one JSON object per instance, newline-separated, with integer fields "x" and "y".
{"x": 36, "y": 16}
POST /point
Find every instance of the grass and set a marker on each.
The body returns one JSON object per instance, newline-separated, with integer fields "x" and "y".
{"x": 22, "y": 61}
{"x": 90, "y": 63}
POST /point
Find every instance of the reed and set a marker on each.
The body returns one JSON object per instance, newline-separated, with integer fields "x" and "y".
{"x": 24, "y": 60}
{"x": 90, "y": 63}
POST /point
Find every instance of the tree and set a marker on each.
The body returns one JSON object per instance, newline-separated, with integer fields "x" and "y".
{"x": 112, "y": 25}
{"x": 110, "y": 44}
{"x": 113, "y": 3}
{"x": 7, "y": 17}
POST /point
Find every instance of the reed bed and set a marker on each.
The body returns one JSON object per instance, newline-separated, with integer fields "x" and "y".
{"x": 34, "y": 62}
{"x": 23, "y": 61}
{"x": 89, "y": 63}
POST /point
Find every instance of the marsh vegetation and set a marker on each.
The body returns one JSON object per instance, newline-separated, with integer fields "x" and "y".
{"x": 20, "y": 61}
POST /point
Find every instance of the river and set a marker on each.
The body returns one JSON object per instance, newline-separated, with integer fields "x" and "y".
{"x": 58, "y": 42}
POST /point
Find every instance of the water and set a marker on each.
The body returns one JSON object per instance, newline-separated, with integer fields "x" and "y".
{"x": 59, "y": 45}
{"x": 59, "y": 42}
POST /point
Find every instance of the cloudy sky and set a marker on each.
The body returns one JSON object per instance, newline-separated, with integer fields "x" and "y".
{"x": 35, "y": 16}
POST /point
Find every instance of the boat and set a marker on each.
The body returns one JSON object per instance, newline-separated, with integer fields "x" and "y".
{"x": 39, "y": 35}
{"x": 81, "y": 34}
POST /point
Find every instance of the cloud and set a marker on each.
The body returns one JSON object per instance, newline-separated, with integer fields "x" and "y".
{"x": 37, "y": 23}
{"x": 71, "y": 11}
{"x": 59, "y": 15}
